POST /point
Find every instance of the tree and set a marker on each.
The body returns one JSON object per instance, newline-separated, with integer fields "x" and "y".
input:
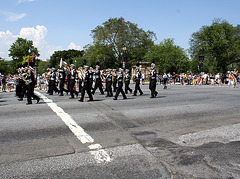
{"x": 19, "y": 49}
{"x": 219, "y": 43}
{"x": 68, "y": 56}
{"x": 168, "y": 57}
{"x": 117, "y": 33}
{"x": 42, "y": 66}
{"x": 100, "y": 54}
{"x": 3, "y": 67}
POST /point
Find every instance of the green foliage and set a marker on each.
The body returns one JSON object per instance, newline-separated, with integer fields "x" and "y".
{"x": 3, "y": 67}
{"x": 168, "y": 57}
{"x": 101, "y": 54}
{"x": 42, "y": 66}
{"x": 219, "y": 43}
{"x": 114, "y": 34}
{"x": 68, "y": 56}
{"x": 19, "y": 49}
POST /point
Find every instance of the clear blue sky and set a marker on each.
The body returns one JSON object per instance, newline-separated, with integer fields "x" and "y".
{"x": 63, "y": 24}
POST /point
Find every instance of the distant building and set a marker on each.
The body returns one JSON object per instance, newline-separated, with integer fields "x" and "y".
{"x": 144, "y": 68}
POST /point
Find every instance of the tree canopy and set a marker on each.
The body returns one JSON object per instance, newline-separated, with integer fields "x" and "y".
{"x": 18, "y": 50}
{"x": 168, "y": 57}
{"x": 68, "y": 56}
{"x": 3, "y": 67}
{"x": 113, "y": 36}
{"x": 219, "y": 43}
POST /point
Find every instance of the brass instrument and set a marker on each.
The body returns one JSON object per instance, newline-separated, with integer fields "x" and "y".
{"x": 24, "y": 78}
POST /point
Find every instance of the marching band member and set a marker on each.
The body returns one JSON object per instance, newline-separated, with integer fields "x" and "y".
{"x": 127, "y": 81}
{"x": 72, "y": 81}
{"x": 120, "y": 85}
{"x": 109, "y": 83}
{"x": 138, "y": 77}
{"x": 152, "y": 84}
{"x": 86, "y": 85}
{"x": 98, "y": 80}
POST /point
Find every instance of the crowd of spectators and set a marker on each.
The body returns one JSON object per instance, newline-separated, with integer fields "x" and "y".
{"x": 231, "y": 79}
{"x": 7, "y": 83}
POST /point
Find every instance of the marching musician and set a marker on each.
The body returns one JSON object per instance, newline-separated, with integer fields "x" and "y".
{"x": 109, "y": 83}
{"x": 61, "y": 77}
{"x": 86, "y": 85}
{"x": 80, "y": 78}
{"x": 127, "y": 82}
{"x": 31, "y": 85}
{"x": 120, "y": 85}
{"x": 72, "y": 81}
{"x": 52, "y": 84}
{"x": 138, "y": 77}
{"x": 24, "y": 83}
{"x": 153, "y": 80}
{"x": 19, "y": 83}
{"x": 98, "y": 80}
{"x": 114, "y": 80}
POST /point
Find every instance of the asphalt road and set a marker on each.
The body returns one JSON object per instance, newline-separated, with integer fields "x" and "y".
{"x": 186, "y": 132}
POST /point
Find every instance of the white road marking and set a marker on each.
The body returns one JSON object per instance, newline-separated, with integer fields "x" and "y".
{"x": 223, "y": 134}
{"x": 99, "y": 154}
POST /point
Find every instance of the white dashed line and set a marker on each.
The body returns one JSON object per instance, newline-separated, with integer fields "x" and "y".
{"x": 96, "y": 149}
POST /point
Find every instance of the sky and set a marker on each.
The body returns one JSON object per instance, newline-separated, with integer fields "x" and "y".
{"x": 55, "y": 25}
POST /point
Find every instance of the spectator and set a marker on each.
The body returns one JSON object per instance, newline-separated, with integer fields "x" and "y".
{"x": 4, "y": 83}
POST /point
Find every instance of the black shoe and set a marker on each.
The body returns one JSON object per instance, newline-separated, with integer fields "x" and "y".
{"x": 152, "y": 97}
{"x": 28, "y": 103}
{"x": 141, "y": 94}
{"x": 102, "y": 94}
{"x": 125, "y": 98}
{"x": 114, "y": 98}
{"x": 107, "y": 96}
{"x": 81, "y": 100}
{"x": 20, "y": 99}
{"x": 134, "y": 95}
{"x": 77, "y": 93}
{"x": 90, "y": 100}
{"x": 126, "y": 92}
{"x": 61, "y": 95}
{"x": 38, "y": 100}
{"x": 156, "y": 93}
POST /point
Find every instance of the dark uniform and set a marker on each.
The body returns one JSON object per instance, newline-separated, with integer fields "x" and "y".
{"x": 30, "y": 89}
{"x": 90, "y": 71}
{"x": 138, "y": 77}
{"x": 153, "y": 81}
{"x": 109, "y": 83}
{"x": 80, "y": 80}
{"x": 98, "y": 81}
{"x": 62, "y": 76}
{"x": 127, "y": 82}
{"x": 24, "y": 84}
{"x": 72, "y": 82}
{"x": 19, "y": 83}
{"x": 52, "y": 84}
{"x": 86, "y": 85}
{"x": 114, "y": 80}
{"x": 120, "y": 85}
